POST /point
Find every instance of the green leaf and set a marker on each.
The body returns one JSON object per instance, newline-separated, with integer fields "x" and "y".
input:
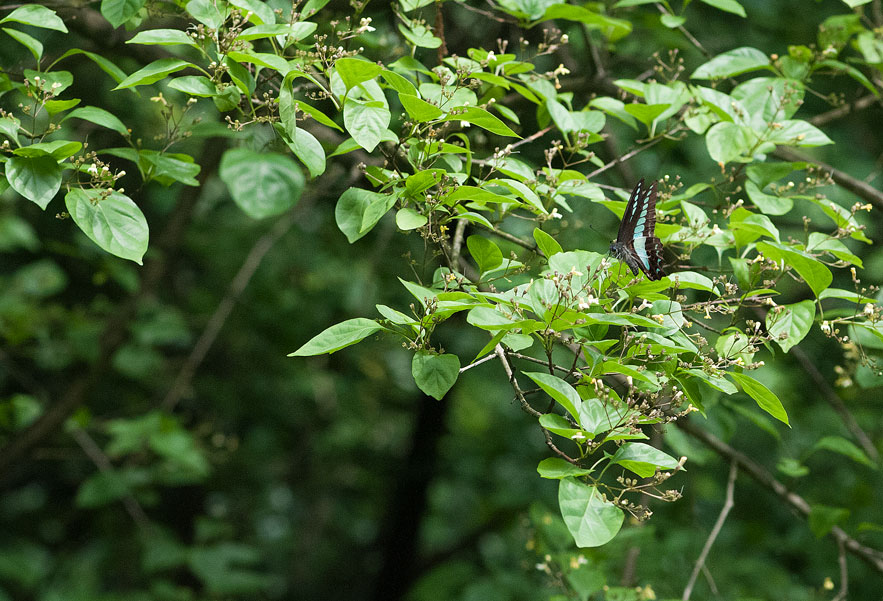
{"x": 592, "y": 520}
{"x": 338, "y": 336}
{"x": 767, "y": 203}
{"x": 813, "y": 272}
{"x": 419, "y": 110}
{"x": 114, "y": 223}
{"x": 643, "y": 459}
{"x": 27, "y": 41}
{"x": 799, "y": 133}
{"x": 36, "y": 178}
{"x": 104, "y": 64}
{"x": 823, "y": 518}
{"x": 749, "y": 226}
{"x": 153, "y": 72}
{"x": 764, "y": 397}
{"x": 730, "y": 6}
{"x": 354, "y": 71}
{"x": 208, "y": 12}
{"x": 400, "y": 84}
{"x": 352, "y": 208}
{"x": 57, "y": 149}
{"x": 285, "y": 32}
{"x": 195, "y": 85}
{"x": 646, "y": 113}
{"x": 612, "y": 28}
{"x": 307, "y": 148}
{"x": 791, "y": 321}
{"x": 261, "y": 12}
{"x": 409, "y": 219}
{"x": 482, "y": 119}
{"x": 734, "y": 62}
{"x": 163, "y": 37}
{"x": 98, "y": 116}
{"x": 118, "y": 12}
{"x": 849, "y": 295}
{"x": 845, "y": 448}
{"x": 546, "y": 243}
{"x": 262, "y": 184}
{"x": 563, "y": 393}
{"x": 728, "y": 141}
{"x": 672, "y": 21}
{"x": 854, "y": 3}
{"x": 435, "y": 374}
{"x": 555, "y": 468}
{"x": 366, "y": 122}
{"x": 36, "y": 15}
{"x": 486, "y": 254}
{"x": 420, "y": 35}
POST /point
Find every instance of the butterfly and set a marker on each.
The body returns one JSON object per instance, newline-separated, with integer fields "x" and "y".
{"x": 636, "y": 243}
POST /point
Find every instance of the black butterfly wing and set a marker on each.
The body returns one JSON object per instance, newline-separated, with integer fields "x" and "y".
{"x": 636, "y": 243}
{"x": 629, "y": 218}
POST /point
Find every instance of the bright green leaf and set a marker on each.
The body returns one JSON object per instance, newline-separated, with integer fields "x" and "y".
{"x": 435, "y": 374}
{"x": 591, "y": 520}
{"x": 765, "y": 398}
{"x": 115, "y": 223}
{"x": 262, "y": 184}
{"x": 338, "y": 336}
{"x": 36, "y": 178}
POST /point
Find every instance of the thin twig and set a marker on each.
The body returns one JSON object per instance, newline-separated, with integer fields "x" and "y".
{"x": 514, "y": 239}
{"x": 686, "y": 33}
{"x": 844, "y": 573}
{"x": 477, "y": 363}
{"x": 632, "y": 153}
{"x": 842, "y": 111}
{"x": 873, "y": 557}
{"x": 102, "y": 462}
{"x": 718, "y": 525}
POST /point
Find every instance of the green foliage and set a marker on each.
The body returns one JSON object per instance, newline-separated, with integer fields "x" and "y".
{"x": 485, "y": 158}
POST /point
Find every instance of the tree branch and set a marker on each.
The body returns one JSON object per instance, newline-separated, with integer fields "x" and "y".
{"x": 873, "y": 557}
{"x": 225, "y": 307}
{"x": 856, "y": 186}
